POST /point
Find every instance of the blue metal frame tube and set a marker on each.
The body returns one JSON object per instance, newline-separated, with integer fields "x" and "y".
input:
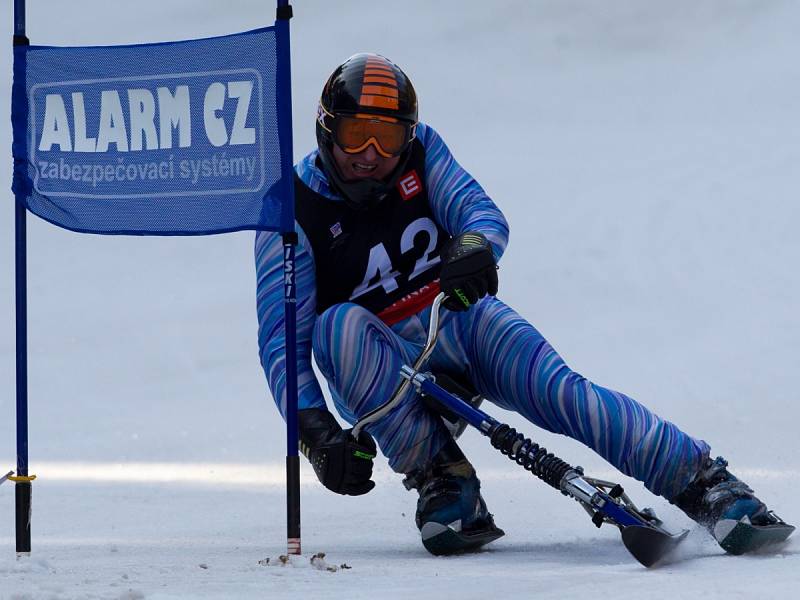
{"x": 474, "y": 416}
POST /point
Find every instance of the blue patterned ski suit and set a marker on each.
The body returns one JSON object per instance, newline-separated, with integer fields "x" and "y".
{"x": 503, "y": 355}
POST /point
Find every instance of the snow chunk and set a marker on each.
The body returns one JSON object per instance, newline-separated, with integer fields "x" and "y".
{"x": 317, "y": 561}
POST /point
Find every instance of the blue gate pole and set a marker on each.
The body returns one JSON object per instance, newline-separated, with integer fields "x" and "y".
{"x": 22, "y": 491}
{"x": 293, "y": 546}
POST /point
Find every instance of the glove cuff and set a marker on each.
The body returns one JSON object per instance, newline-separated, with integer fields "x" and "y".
{"x": 466, "y": 244}
{"x": 317, "y": 426}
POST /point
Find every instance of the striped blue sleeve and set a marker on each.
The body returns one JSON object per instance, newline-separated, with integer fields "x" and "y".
{"x": 270, "y": 307}
{"x": 457, "y": 200}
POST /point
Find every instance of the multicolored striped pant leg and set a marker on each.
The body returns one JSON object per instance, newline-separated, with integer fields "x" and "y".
{"x": 522, "y": 372}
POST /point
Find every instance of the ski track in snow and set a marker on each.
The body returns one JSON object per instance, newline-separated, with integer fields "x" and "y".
{"x": 646, "y": 156}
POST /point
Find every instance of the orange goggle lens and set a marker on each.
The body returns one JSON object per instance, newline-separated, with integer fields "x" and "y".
{"x": 354, "y": 135}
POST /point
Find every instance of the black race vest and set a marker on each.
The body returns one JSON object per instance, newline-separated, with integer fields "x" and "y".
{"x": 378, "y": 256}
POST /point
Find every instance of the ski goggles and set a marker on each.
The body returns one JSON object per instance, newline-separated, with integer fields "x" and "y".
{"x": 354, "y": 133}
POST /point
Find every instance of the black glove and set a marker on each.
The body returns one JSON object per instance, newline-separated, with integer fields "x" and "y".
{"x": 342, "y": 464}
{"x": 468, "y": 270}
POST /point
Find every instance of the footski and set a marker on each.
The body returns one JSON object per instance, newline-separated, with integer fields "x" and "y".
{"x": 650, "y": 546}
{"x": 442, "y": 540}
{"x": 742, "y": 537}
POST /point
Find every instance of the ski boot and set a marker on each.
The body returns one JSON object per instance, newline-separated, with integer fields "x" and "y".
{"x": 730, "y": 511}
{"x": 451, "y": 514}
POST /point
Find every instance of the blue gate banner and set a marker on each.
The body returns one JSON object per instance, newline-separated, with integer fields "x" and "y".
{"x": 179, "y": 138}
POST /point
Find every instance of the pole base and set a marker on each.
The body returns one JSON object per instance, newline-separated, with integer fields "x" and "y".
{"x": 22, "y": 494}
{"x": 293, "y": 546}
{"x": 293, "y": 504}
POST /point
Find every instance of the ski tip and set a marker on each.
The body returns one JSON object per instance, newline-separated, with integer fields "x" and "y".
{"x": 649, "y": 545}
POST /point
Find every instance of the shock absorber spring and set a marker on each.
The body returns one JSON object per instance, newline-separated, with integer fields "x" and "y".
{"x": 533, "y": 457}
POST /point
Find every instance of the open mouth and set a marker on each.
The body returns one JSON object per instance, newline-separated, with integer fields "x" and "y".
{"x": 360, "y": 168}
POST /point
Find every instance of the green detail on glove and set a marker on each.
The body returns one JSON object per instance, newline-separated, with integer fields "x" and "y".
{"x": 472, "y": 239}
{"x": 364, "y": 455}
{"x": 462, "y": 297}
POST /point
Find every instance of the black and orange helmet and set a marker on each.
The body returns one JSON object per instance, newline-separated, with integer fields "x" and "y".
{"x": 370, "y": 84}
{"x": 366, "y": 100}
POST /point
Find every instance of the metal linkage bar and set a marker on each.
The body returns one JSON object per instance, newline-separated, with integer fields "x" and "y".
{"x": 386, "y": 407}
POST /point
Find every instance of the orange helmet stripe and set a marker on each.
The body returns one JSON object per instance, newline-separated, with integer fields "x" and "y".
{"x": 379, "y": 101}
{"x": 380, "y": 90}
{"x": 379, "y": 85}
{"x": 380, "y": 79}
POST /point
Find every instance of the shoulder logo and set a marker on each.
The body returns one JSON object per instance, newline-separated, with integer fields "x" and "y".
{"x": 409, "y": 185}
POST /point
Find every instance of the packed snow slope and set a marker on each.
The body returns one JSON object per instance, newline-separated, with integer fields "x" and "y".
{"x": 646, "y": 155}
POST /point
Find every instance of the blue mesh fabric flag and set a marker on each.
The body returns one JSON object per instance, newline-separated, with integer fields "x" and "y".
{"x": 182, "y": 138}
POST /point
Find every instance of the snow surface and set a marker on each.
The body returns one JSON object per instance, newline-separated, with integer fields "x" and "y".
{"x": 646, "y": 155}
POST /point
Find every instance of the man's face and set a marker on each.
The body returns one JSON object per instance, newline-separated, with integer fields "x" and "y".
{"x": 367, "y": 164}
